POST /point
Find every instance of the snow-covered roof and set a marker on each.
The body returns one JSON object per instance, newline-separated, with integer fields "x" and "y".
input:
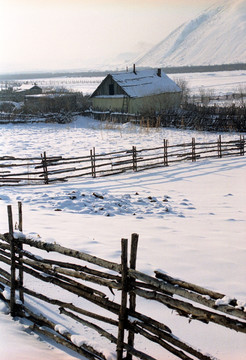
{"x": 25, "y": 87}
{"x": 145, "y": 83}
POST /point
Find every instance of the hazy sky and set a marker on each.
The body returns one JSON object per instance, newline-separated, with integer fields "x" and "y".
{"x": 77, "y": 34}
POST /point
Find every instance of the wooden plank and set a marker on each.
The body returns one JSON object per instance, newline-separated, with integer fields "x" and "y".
{"x": 67, "y": 265}
{"x": 19, "y": 175}
{"x": 63, "y": 342}
{"x": 188, "y": 286}
{"x": 188, "y": 310}
{"x": 109, "y": 336}
{"x": 229, "y": 310}
{"x": 72, "y": 253}
{"x": 51, "y": 270}
{"x": 164, "y": 340}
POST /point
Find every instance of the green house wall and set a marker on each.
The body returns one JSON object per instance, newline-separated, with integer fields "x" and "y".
{"x": 107, "y": 103}
{"x": 142, "y": 105}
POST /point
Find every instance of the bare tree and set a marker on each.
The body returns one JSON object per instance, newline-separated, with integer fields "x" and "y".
{"x": 183, "y": 85}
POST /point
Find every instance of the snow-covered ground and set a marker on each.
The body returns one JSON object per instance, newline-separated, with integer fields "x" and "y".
{"x": 215, "y": 83}
{"x": 221, "y": 82}
{"x": 17, "y": 343}
{"x": 197, "y": 233}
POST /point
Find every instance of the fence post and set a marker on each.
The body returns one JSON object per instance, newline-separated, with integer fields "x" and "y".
{"x": 45, "y": 169}
{"x": 134, "y": 158}
{"x": 12, "y": 267}
{"x": 219, "y": 147}
{"x": 92, "y": 167}
{"x": 20, "y": 248}
{"x": 241, "y": 145}
{"x": 132, "y": 300}
{"x": 93, "y": 162}
{"x": 165, "y": 152}
{"x": 123, "y": 308}
{"x": 193, "y": 149}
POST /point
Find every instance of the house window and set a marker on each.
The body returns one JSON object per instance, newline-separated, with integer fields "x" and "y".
{"x": 111, "y": 89}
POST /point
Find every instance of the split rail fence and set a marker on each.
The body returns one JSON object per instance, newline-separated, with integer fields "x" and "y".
{"x": 78, "y": 269}
{"x": 49, "y": 169}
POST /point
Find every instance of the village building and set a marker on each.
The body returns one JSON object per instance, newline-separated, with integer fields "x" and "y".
{"x": 29, "y": 90}
{"x": 136, "y": 92}
{"x": 18, "y": 95}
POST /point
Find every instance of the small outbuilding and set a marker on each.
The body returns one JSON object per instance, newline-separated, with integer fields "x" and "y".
{"x": 136, "y": 92}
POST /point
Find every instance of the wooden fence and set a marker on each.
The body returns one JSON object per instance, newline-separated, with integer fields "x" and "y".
{"x": 49, "y": 169}
{"x": 19, "y": 263}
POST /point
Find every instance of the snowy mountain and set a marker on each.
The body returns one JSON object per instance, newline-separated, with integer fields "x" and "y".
{"x": 216, "y": 36}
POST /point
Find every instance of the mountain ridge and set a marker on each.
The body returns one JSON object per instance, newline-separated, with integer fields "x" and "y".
{"x": 214, "y": 37}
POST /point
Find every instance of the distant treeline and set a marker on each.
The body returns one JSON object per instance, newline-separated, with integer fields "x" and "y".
{"x": 204, "y": 68}
{"x": 168, "y": 70}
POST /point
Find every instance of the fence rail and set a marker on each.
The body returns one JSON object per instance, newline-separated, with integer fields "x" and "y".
{"x": 18, "y": 262}
{"x": 48, "y": 169}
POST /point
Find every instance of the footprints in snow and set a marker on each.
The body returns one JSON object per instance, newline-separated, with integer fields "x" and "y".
{"x": 187, "y": 204}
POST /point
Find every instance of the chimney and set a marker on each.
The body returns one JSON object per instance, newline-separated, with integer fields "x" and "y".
{"x": 134, "y": 69}
{"x": 159, "y": 72}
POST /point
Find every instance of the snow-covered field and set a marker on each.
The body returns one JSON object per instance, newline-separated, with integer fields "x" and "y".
{"x": 216, "y": 83}
{"x": 196, "y": 234}
{"x": 221, "y": 82}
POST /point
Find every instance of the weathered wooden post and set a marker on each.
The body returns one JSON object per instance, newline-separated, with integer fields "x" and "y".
{"x": 93, "y": 162}
{"x": 123, "y": 307}
{"x": 12, "y": 257}
{"x": 20, "y": 226}
{"x": 92, "y": 168}
{"x": 193, "y": 149}
{"x": 219, "y": 147}
{"x": 134, "y": 158}
{"x": 132, "y": 300}
{"x": 165, "y": 152}
{"x": 45, "y": 169}
{"x": 241, "y": 145}
{"x": 20, "y": 248}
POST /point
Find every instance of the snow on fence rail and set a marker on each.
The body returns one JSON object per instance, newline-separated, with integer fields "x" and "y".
{"x": 48, "y": 169}
{"x": 73, "y": 277}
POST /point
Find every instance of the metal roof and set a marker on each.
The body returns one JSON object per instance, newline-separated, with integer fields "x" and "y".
{"x": 145, "y": 83}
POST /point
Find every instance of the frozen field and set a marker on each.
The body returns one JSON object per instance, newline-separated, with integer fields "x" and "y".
{"x": 221, "y": 82}
{"x": 200, "y": 238}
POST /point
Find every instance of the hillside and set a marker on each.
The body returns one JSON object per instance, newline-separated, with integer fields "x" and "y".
{"x": 216, "y": 36}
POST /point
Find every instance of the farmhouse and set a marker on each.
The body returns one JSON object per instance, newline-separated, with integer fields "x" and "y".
{"x": 136, "y": 92}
